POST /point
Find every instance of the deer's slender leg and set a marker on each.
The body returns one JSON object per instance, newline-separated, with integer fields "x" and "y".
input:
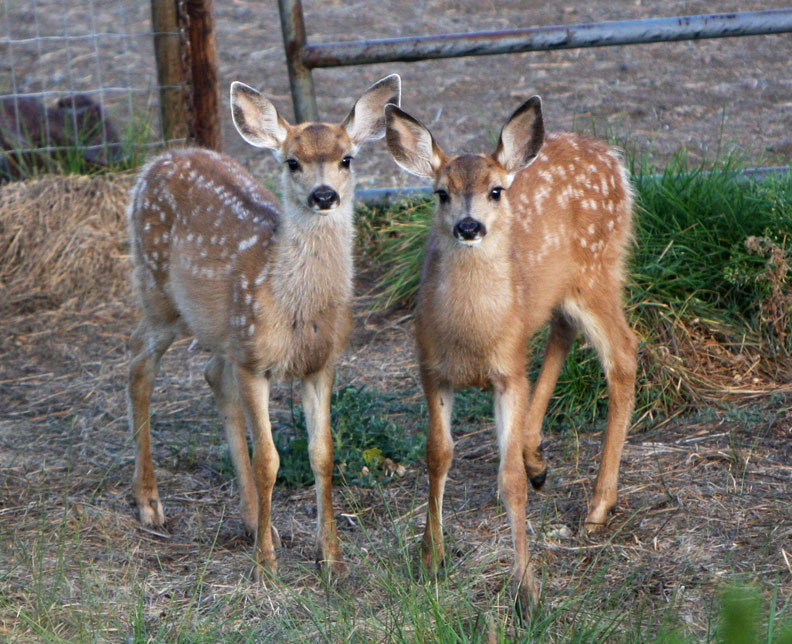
{"x": 254, "y": 392}
{"x": 510, "y": 400}
{"x": 317, "y": 390}
{"x": 439, "y": 453}
{"x": 562, "y": 335}
{"x": 147, "y": 345}
{"x": 606, "y": 328}
{"x": 220, "y": 376}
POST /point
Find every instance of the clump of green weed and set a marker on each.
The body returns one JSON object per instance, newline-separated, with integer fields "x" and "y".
{"x": 368, "y": 447}
{"x": 392, "y": 241}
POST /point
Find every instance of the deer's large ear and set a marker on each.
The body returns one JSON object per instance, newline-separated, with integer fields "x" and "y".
{"x": 366, "y": 119}
{"x": 256, "y": 118}
{"x": 522, "y": 137}
{"x": 412, "y": 145}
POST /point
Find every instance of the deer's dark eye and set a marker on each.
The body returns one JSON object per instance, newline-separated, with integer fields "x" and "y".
{"x": 346, "y": 162}
{"x": 495, "y": 193}
{"x": 442, "y": 195}
{"x": 293, "y": 164}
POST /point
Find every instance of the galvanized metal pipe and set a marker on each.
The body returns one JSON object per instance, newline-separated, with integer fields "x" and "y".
{"x": 302, "y": 89}
{"x": 627, "y": 32}
{"x": 385, "y": 196}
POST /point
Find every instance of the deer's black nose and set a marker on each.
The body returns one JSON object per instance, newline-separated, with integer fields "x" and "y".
{"x": 324, "y": 197}
{"x": 468, "y": 229}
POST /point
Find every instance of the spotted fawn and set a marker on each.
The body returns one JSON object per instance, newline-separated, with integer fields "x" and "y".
{"x": 536, "y": 232}
{"x": 265, "y": 286}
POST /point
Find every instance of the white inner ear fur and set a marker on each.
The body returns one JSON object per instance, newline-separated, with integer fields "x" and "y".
{"x": 366, "y": 120}
{"x": 256, "y": 118}
{"x": 521, "y": 137}
{"x": 415, "y": 152}
{"x": 511, "y": 156}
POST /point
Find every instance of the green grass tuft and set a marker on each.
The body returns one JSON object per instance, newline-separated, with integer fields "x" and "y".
{"x": 134, "y": 142}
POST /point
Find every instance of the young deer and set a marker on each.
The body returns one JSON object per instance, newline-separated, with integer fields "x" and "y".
{"x": 265, "y": 287}
{"x": 519, "y": 238}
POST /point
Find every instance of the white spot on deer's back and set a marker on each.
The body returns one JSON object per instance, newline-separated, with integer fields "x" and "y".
{"x": 261, "y": 277}
{"x": 247, "y": 243}
{"x": 542, "y": 192}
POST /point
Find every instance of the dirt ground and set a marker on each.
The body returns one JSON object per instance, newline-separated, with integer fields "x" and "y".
{"x": 704, "y": 498}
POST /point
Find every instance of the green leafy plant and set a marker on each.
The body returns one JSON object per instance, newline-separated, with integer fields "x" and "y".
{"x": 368, "y": 447}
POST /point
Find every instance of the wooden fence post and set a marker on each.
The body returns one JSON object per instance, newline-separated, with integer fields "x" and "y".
{"x": 186, "y": 53}
{"x": 205, "y": 85}
{"x": 170, "y": 74}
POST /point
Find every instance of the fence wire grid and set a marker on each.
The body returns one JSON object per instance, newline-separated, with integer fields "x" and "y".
{"x": 59, "y": 57}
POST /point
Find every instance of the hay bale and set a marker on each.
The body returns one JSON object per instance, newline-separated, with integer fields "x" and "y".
{"x": 63, "y": 242}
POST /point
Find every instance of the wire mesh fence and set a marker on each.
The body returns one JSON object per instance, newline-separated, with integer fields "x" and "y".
{"x": 76, "y": 75}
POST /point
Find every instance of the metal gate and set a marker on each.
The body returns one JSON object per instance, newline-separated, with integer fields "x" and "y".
{"x": 301, "y": 57}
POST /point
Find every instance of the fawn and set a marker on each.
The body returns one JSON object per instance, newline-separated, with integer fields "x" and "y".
{"x": 265, "y": 287}
{"x": 535, "y": 232}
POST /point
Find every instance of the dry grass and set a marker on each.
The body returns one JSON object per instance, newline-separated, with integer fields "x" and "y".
{"x": 704, "y": 498}
{"x": 62, "y": 241}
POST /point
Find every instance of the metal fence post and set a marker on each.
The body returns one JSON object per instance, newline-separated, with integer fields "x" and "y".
{"x": 302, "y": 88}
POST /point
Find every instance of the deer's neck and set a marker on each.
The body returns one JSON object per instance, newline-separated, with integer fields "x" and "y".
{"x": 313, "y": 267}
{"x": 473, "y": 283}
